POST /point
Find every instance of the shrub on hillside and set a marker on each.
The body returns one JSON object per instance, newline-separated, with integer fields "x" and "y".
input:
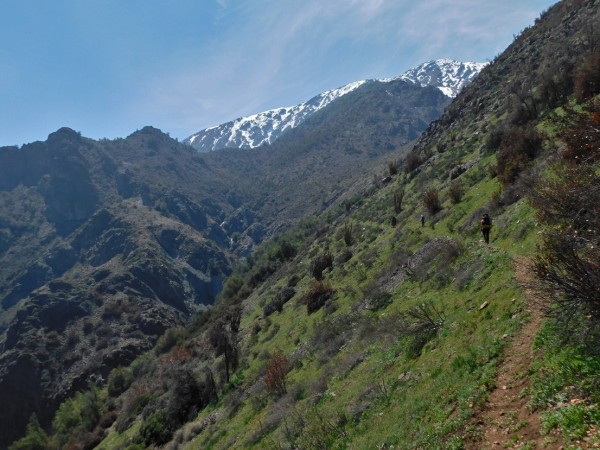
{"x": 135, "y": 401}
{"x": 78, "y": 415}
{"x": 494, "y": 139}
{"x": 107, "y": 420}
{"x": 377, "y": 297}
{"x": 156, "y": 429}
{"x": 455, "y": 192}
{"x": 258, "y": 274}
{"x": 419, "y": 325}
{"x": 523, "y": 104}
{"x": 348, "y": 238}
{"x": 431, "y": 201}
{"x": 343, "y": 257}
{"x": 119, "y": 380}
{"x": 520, "y": 145}
{"x": 587, "y": 78}
{"x": 293, "y": 281}
{"x": 224, "y": 341}
{"x": 398, "y": 197}
{"x": 276, "y": 373}
{"x": 232, "y": 286}
{"x": 285, "y": 250}
{"x": 169, "y": 339}
{"x": 316, "y": 296}
{"x": 89, "y": 440}
{"x": 556, "y": 82}
{"x": 184, "y": 398}
{"x": 314, "y": 428}
{"x": 320, "y": 263}
{"x": 583, "y": 140}
{"x": 282, "y": 297}
{"x": 412, "y": 162}
{"x": 265, "y": 263}
{"x": 568, "y": 263}
{"x": 35, "y": 437}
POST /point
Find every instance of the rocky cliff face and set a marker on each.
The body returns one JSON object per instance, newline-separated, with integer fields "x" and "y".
{"x": 97, "y": 261}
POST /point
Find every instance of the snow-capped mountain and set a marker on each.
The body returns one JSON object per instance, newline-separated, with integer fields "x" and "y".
{"x": 264, "y": 128}
{"x": 447, "y": 75}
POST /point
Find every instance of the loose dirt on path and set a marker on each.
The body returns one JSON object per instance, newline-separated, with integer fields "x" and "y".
{"x": 506, "y": 421}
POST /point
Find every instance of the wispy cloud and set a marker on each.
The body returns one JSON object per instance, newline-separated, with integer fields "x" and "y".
{"x": 284, "y": 51}
{"x": 186, "y": 65}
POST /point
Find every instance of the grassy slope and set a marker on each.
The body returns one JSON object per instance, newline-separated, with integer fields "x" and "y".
{"x": 373, "y": 389}
{"x": 358, "y": 379}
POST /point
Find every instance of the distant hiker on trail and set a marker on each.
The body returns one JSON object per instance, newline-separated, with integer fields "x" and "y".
{"x": 486, "y": 225}
{"x": 422, "y": 220}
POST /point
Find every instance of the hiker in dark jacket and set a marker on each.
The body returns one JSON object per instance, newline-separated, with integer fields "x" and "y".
{"x": 486, "y": 226}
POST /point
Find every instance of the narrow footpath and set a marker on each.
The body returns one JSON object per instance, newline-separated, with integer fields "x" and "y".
{"x": 506, "y": 420}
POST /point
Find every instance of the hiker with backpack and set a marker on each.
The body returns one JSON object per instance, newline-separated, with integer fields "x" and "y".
{"x": 486, "y": 226}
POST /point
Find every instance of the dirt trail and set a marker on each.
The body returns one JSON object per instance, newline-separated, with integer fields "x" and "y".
{"x": 506, "y": 421}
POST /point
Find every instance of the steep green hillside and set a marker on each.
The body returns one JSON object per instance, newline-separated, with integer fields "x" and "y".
{"x": 363, "y": 329}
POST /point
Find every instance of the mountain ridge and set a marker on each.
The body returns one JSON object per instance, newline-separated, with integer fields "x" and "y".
{"x": 266, "y": 127}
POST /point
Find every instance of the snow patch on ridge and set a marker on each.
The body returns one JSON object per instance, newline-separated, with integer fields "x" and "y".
{"x": 447, "y": 75}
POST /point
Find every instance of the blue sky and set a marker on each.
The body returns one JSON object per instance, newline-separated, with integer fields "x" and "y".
{"x": 108, "y": 67}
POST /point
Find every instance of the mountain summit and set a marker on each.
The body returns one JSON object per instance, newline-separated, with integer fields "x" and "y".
{"x": 447, "y": 75}
{"x": 264, "y": 128}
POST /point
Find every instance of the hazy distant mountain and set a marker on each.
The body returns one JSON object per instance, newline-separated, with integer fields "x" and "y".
{"x": 264, "y": 128}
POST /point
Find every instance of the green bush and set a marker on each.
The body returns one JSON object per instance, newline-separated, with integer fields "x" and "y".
{"x": 156, "y": 429}
{"x": 455, "y": 192}
{"x": 171, "y": 337}
{"x": 232, "y": 286}
{"x": 348, "y": 238}
{"x": 35, "y": 438}
{"x": 78, "y": 414}
{"x": 572, "y": 420}
{"x": 280, "y": 299}
{"x": 119, "y": 380}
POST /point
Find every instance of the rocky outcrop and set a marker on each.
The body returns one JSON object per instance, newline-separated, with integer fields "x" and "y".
{"x": 96, "y": 263}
